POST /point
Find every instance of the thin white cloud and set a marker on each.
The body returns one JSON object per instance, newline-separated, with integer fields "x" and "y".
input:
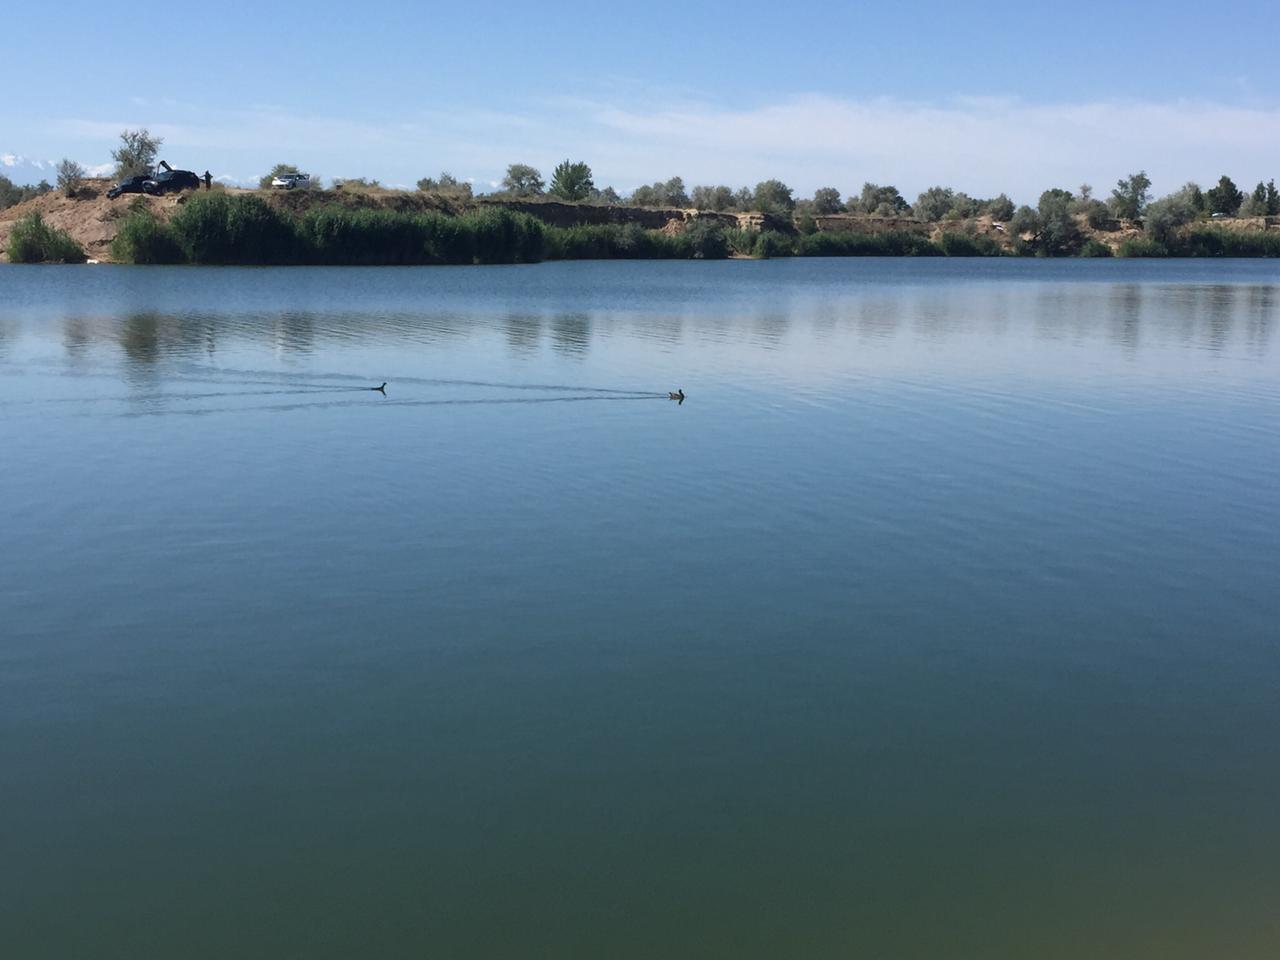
{"x": 980, "y": 145}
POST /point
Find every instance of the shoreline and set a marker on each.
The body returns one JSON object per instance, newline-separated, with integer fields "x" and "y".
{"x": 390, "y": 228}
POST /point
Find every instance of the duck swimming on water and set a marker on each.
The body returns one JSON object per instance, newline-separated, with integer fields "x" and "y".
{"x": 677, "y": 396}
{"x": 382, "y": 389}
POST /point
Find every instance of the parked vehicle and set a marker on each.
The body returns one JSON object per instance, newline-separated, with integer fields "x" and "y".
{"x": 289, "y": 181}
{"x": 128, "y": 185}
{"x": 170, "y": 180}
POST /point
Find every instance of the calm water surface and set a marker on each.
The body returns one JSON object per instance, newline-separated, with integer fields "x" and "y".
{"x": 939, "y": 621}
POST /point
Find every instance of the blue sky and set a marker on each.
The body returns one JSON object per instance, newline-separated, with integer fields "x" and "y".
{"x": 982, "y": 97}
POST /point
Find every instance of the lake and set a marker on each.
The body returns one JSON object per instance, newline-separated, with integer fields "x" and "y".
{"x": 939, "y": 620}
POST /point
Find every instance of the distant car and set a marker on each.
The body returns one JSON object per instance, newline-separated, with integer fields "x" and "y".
{"x": 288, "y": 181}
{"x": 170, "y": 181}
{"x": 128, "y": 185}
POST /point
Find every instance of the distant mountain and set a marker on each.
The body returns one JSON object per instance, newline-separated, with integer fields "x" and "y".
{"x": 23, "y": 170}
{"x": 31, "y": 170}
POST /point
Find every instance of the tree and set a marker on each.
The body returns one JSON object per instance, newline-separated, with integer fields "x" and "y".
{"x": 522, "y": 180}
{"x": 1255, "y": 204}
{"x": 711, "y": 198}
{"x": 1165, "y": 216}
{"x": 279, "y": 170}
{"x": 136, "y": 154}
{"x": 1096, "y": 213}
{"x": 773, "y": 196}
{"x": 934, "y": 204}
{"x": 1059, "y": 233}
{"x": 874, "y": 197}
{"x": 673, "y": 193}
{"x": 571, "y": 181}
{"x": 661, "y": 194}
{"x": 608, "y": 196}
{"x": 70, "y": 175}
{"x": 1129, "y": 198}
{"x": 1273, "y": 199}
{"x": 1225, "y": 198}
{"x": 826, "y": 201}
{"x": 11, "y": 193}
{"x": 445, "y": 183}
{"x": 1024, "y": 220}
{"x": 1001, "y": 209}
{"x": 744, "y": 199}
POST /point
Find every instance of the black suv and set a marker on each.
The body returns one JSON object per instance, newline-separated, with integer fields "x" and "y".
{"x": 170, "y": 180}
{"x": 128, "y": 185}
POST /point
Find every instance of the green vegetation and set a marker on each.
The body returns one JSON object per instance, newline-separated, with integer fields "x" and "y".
{"x": 571, "y": 181}
{"x": 70, "y": 176}
{"x": 446, "y": 184}
{"x": 1225, "y": 198}
{"x": 826, "y": 201}
{"x": 892, "y": 243}
{"x": 34, "y": 241}
{"x": 1129, "y": 198}
{"x": 1142, "y": 247}
{"x": 144, "y": 239}
{"x": 1206, "y": 240}
{"x": 11, "y": 194}
{"x": 774, "y": 196}
{"x": 1213, "y": 241}
{"x": 661, "y": 194}
{"x": 522, "y": 180}
{"x": 136, "y": 153}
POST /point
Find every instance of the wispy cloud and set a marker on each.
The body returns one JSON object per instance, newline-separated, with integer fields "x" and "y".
{"x": 981, "y": 145}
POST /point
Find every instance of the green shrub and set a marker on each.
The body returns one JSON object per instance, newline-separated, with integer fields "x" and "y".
{"x": 1215, "y": 242}
{"x": 956, "y": 244}
{"x": 244, "y": 229}
{"x": 505, "y": 237}
{"x": 771, "y": 243}
{"x": 741, "y": 242}
{"x": 703, "y": 240}
{"x": 1142, "y": 247}
{"x": 611, "y": 241}
{"x": 1094, "y": 248}
{"x": 34, "y": 241}
{"x": 448, "y": 239}
{"x": 144, "y": 239}
{"x": 893, "y": 243}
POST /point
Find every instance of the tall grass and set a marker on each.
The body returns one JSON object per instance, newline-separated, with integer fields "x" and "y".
{"x": 244, "y": 229}
{"x": 218, "y": 228}
{"x": 1215, "y": 242}
{"x": 34, "y": 241}
{"x": 1142, "y": 247}
{"x": 892, "y": 243}
{"x": 143, "y": 238}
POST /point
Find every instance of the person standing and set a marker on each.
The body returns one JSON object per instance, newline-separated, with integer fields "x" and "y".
{"x": 208, "y": 180}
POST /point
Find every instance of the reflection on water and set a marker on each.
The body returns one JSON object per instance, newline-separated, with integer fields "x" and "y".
{"x": 938, "y": 621}
{"x": 1214, "y": 317}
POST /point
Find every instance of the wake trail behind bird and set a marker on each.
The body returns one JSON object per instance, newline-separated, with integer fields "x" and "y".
{"x": 325, "y": 404}
{"x": 421, "y": 381}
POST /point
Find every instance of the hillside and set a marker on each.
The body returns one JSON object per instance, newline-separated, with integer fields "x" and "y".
{"x": 92, "y": 219}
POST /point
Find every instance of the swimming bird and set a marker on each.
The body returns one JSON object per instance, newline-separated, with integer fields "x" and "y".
{"x": 382, "y": 389}
{"x": 678, "y": 395}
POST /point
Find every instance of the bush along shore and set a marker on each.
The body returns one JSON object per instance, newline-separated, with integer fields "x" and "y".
{"x": 243, "y": 229}
{"x": 34, "y": 241}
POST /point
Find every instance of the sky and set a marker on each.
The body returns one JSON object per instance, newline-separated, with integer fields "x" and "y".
{"x": 988, "y": 97}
